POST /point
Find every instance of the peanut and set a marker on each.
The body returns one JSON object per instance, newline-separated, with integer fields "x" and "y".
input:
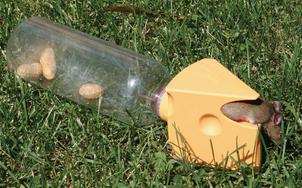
{"x": 90, "y": 91}
{"x": 48, "y": 63}
{"x": 30, "y": 71}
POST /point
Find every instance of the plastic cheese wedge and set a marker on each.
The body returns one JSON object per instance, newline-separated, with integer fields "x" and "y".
{"x": 198, "y": 131}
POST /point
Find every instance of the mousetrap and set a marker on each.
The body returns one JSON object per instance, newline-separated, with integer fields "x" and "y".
{"x": 133, "y": 88}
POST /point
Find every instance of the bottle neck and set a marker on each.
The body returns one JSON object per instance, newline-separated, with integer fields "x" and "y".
{"x": 157, "y": 98}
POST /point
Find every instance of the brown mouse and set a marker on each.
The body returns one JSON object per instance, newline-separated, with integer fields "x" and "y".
{"x": 266, "y": 113}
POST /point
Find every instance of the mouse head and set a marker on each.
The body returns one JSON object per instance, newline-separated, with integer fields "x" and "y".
{"x": 272, "y": 127}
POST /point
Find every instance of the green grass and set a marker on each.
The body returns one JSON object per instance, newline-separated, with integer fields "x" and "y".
{"x": 48, "y": 141}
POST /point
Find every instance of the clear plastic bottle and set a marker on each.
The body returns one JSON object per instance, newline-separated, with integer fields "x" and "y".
{"x": 123, "y": 84}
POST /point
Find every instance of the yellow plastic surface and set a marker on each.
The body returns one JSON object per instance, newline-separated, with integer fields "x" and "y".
{"x": 198, "y": 131}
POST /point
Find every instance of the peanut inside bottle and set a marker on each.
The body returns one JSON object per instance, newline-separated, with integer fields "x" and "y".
{"x": 90, "y": 71}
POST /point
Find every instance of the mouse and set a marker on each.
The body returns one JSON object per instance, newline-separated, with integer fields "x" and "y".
{"x": 267, "y": 114}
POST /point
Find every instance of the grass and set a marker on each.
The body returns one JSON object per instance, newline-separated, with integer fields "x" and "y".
{"x": 47, "y": 141}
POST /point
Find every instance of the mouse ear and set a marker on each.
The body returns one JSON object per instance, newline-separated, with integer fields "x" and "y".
{"x": 277, "y": 106}
{"x": 277, "y": 118}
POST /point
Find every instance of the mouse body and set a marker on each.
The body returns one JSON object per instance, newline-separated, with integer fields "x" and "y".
{"x": 266, "y": 113}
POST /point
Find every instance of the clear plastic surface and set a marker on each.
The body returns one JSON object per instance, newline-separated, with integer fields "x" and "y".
{"x": 119, "y": 82}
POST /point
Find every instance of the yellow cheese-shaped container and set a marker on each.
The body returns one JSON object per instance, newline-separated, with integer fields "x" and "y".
{"x": 198, "y": 131}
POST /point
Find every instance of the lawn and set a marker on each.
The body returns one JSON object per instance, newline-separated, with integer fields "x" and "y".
{"x": 48, "y": 141}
